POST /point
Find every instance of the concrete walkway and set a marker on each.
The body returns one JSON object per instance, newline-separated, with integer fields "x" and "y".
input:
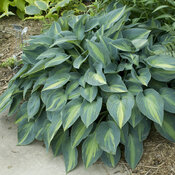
{"x": 34, "y": 160}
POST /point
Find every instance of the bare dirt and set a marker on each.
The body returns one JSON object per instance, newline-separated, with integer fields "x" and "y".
{"x": 159, "y": 154}
{"x": 10, "y": 43}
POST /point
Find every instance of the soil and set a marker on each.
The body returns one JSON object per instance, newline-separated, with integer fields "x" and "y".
{"x": 10, "y": 43}
{"x": 159, "y": 154}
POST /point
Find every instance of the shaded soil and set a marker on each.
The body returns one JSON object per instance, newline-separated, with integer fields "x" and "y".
{"x": 159, "y": 154}
{"x": 11, "y": 43}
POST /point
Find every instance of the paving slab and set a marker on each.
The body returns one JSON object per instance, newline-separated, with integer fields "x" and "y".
{"x": 35, "y": 160}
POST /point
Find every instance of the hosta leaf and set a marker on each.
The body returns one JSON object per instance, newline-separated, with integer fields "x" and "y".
{"x": 136, "y": 116}
{"x": 79, "y": 61}
{"x": 38, "y": 67}
{"x": 41, "y": 5}
{"x": 120, "y": 107}
{"x": 91, "y": 24}
{"x": 56, "y": 100}
{"x": 60, "y": 58}
{"x": 42, "y": 40}
{"x": 27, "y": 84}
{"x": 90, "y": 150}
{"x": 39, "y": 126}
{"x": 79, "y": 132}
{"x": 93, "y": 78}
{"x": 70, "y": 155}
{"x": 143, "y": 129}
{"x": 108, "y": 136}
{"x": 134, "y": 88}
{"x": 168, "y": 95}
{"x": 32, "y": 10}
{"x": 162, "y": 61}
{"x": 62, "y": 3}
{"x": 133, "y": 150}
{"x": 5, "y": 98}
{"x": 143, "y": 76}
{"x": 89, "y": 92}
{"x": 90, "y": 111}
{"x": 112, "y": 17}
{"x": 71, "y": 86}
{"x": 116, "y": 27}
{"x": 26, "y": 134}
{"x": 124, "y": 133}
{"x": 136, "y": 33}
{"x": 58, "y": 141}
{"x": 56, "y": 81}
{"x": 110, "y": 159}
{"x": 139, "y": 43}
{"x": 123, "y": 45}
{"x": 79, "y": 28}
{"x": 98, "y": 52}
{"x": 52, "y": 128}
{"x": 71, "y": 113}
{"x": 55, "y": 29}
{"x": 33, "y": 105}
{"x": 50, "y": 53}
{"x": 40, "y": 81}
{"x": 66, "y": 39}
{"x": 15, "y": 105}
{"x": 74, "y": 94}
{"x": 20, "y": 72}
{"x": 162, "y": 75}
{"x": 151, "y": 104}
{"x": 167, "y": 129}
{"x": 115, "y": 84}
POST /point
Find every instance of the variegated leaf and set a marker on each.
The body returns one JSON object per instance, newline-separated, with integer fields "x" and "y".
{"x": 133, "y": 150}
{"x": 151, "y": 104}
{"x": 91, "y": 151}
{"x": 79, "y": 132}
{"x": 70, "y": 155}
{"x": 167, "y": 129}
{"x": 110, "y": 159}
{"x": 56, "y": 81}
{"x": 56, "y": 100}
{"x": 120, "y": 107}
{"x": 168, "y": 95}
{"x": 89, "y": 92}
{"x": 33, "y": 105}
{"x": 108, "y": 136}
{"x": 71, "y": 113}
{"x": 90, "y": 111}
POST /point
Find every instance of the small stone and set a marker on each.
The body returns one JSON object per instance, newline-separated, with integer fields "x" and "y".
{"x": 1, "y": 55}
{"x": 7, "y": 35}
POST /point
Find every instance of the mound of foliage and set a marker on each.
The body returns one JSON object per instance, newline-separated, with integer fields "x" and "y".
{"x": 95, "y": 83}
{"x": 39, "y": 9}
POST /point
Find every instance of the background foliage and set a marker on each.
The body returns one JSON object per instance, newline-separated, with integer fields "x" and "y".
{"x": 41, "y": 8}
{"x": 143, "y": 10}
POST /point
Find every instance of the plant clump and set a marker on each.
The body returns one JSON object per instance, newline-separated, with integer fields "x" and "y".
{"x": 95, "y": 83}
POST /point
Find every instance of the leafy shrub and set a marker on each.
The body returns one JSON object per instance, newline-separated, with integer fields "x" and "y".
{"x": 95, "y": 83}
{"x": 39, "y": 9}
{"x": 143, "y": 10}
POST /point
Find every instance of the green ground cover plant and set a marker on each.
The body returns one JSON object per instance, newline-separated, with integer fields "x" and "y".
{"x": 40, "y": 9}
{"x": 96, "y": 83}
{"x": 143, "y": 10}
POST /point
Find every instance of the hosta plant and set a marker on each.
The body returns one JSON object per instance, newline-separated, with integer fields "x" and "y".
{"x": 94, "y": 83}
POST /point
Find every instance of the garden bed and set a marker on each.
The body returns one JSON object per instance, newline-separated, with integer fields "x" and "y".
{"x": 159, "y": 154}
